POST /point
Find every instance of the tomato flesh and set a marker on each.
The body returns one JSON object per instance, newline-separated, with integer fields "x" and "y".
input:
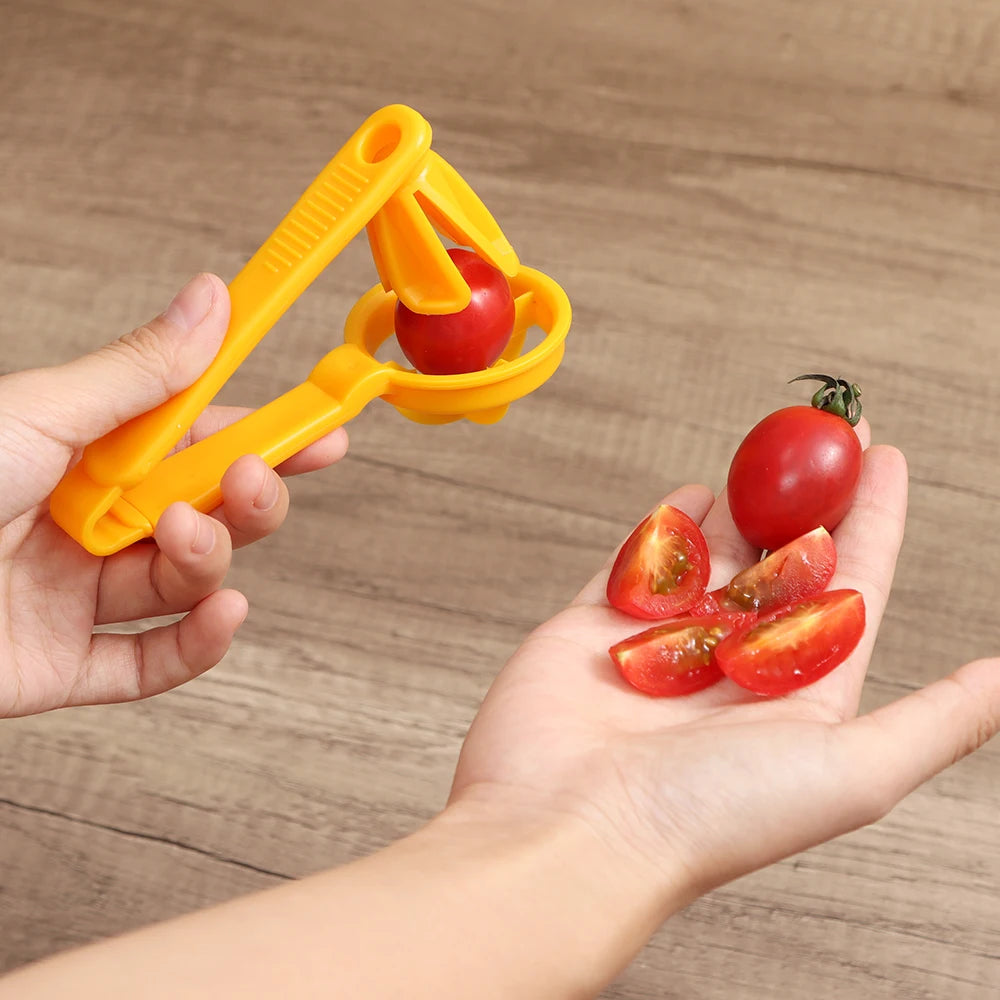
{"x": 662, "y": 569}
{"x": 717, "y": 603}
{"x": 672, "y": 659}
{"x": 798, "y": 570}
{"x": 796, "y": 470}
{"x": 794, "y": 646}
{"x": 466, "y": 341}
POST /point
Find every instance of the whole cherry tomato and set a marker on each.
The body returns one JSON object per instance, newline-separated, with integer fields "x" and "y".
{"x": 798, "y": 468}
{"x": 466, "y": 341}
{"x": 662, "y": 569}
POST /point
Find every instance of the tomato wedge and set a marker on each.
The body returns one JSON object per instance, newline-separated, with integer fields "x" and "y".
{"x": 662, "y": 569}
{"x": 794, "y": 646}
{"x": 798, "y": 570}
{"x": 718, "y": 604}
{"x": 672, "y": 659}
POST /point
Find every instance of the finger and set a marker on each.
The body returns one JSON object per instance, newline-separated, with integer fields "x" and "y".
{"x": 87, "y": 397}
{"x": 254, "y": 501}
{"x": 863, "y": 429}
{"x": 189, "y": 561}
{"x": 50, "y": 413}
{"x": 694, "y": 500}
{"x": 129, "y": 667}
{"x": 918, "y": 736}
{"x": 868, "y": 542}
{"x": 328, "y": 449}
{"x": 193, "y": 551}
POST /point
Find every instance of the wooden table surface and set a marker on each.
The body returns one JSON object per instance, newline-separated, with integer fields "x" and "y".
{"x": 732, "y": 192}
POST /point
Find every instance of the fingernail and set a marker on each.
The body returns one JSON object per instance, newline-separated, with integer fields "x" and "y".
{"x": 204, "y": 536}
{"x": 191, "y": 304}
{"x": 268, "y": 495}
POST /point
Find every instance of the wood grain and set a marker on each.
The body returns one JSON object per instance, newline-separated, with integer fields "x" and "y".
{"x": 731, "y": 192}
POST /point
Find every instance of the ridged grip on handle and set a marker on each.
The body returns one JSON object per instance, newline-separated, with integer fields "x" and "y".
{"x": 352, "y": 188}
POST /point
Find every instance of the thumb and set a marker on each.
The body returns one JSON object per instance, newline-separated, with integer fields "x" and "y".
{"x": 920, "y": 735}
{"x": 47, "y": 414}
{"x": 82, "y": 400}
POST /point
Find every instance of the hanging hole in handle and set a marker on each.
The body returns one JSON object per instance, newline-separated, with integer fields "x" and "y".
{"x": 381, "y": 142}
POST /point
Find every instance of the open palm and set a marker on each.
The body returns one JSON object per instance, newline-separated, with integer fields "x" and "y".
{"x": 722, "y": 781}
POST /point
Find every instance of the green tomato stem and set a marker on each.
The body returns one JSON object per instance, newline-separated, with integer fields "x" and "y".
{"x": 836, "y": 396}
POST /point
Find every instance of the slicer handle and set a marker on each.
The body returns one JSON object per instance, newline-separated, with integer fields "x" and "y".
{"x": 353, "y": 186}
{"x": 108, "y": 519}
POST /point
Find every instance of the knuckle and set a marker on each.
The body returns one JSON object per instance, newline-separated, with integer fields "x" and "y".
{"x": 147, "y": 349}
{"x": 984, "y": 718}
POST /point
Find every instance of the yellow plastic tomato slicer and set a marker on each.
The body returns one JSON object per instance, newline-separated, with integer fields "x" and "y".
{"x": 388, "y": 180}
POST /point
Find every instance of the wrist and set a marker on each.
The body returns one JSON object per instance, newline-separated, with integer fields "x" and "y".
{"x": 578, "y": 901}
